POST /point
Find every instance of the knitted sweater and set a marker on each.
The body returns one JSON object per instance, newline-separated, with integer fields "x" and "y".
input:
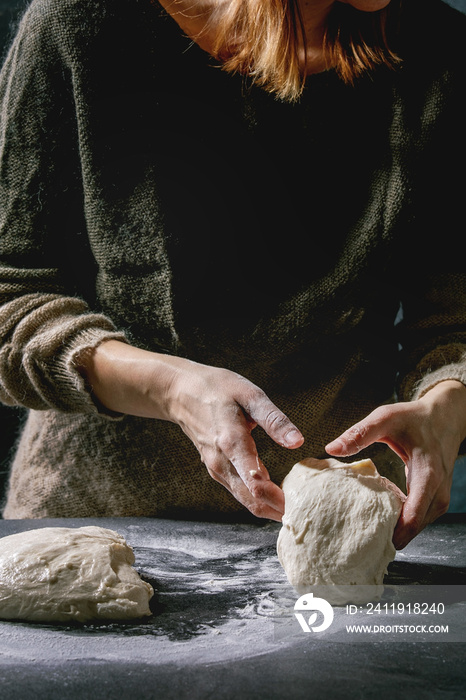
{"x": 149, "y": 196}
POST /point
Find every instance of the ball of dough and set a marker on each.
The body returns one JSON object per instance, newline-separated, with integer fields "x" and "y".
{"x": 336, "y": 538}
{"x": 70, "y": 574}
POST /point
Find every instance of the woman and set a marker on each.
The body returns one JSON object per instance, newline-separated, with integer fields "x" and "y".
{"x": 192, "y": 253}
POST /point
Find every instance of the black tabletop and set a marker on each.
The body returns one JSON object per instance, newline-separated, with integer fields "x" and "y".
{"x": 224, "y": 625}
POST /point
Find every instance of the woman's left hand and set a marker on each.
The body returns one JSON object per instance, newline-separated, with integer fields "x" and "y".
{"x": 426, "y": 434}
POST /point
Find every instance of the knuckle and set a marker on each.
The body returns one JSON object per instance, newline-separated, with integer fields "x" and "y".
{"x": 215, "y": 467}
{"x": 249, "y": 395}
{"x": 232, "y": 443}
{"x": 257, "y": 490}
{"x": 357, "y": 433}
{"x": 275, "y": 420}
{"x": 225, "y": 442}
{"x": 384, "y": 412}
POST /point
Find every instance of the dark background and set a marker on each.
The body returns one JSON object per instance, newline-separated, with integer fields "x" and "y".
{"x": 11, "y": 418}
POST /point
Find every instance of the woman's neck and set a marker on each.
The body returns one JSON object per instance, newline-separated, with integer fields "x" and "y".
{"x": 314, "y": 14}
{"x": 194, "y": 18}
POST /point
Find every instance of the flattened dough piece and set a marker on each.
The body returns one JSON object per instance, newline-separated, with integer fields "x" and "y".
{"x": 336, "y": 538}
{"x": 63, "y": 574}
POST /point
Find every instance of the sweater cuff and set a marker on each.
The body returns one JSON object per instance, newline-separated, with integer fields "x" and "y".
{"x": 70, "y": 376}
{"x": 456, "y": 372}
{"x": 446, "y": 362}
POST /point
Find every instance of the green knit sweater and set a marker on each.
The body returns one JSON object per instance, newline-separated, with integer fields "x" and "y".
{"x": 147, "y": 195}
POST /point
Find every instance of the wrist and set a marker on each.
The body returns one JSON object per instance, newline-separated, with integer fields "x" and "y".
{"x": 449, "y": 398}
{"x": 126, "y": 379}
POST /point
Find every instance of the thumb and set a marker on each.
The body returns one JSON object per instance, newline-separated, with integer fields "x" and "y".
{"x": 275, "y": 423}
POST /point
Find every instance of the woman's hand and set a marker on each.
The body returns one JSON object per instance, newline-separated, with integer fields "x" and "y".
{"x": 216, "y": 408}
{"x": 426, "y": 434}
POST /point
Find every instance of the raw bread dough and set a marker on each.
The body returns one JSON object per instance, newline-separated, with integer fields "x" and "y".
{"x": 64, "y": 574}
{"x": 336, "y": 538}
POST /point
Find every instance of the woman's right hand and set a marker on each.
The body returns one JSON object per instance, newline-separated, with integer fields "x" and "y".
{"x": 216, "y": 408}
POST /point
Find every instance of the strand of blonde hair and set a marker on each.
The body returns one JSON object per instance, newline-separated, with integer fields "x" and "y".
{"x": 262, "y": 40}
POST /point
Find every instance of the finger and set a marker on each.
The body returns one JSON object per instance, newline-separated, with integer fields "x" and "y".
{"x": 258, "y": 507}
{"x": 422, "y": 489}
{"x": 374, "y": 428}
{"x": 255, "y": 476}
{"x": 236, "y": 447}
{"x": 354, "y": 440}
{"x": 275, "y": 423}
{"x": 237, "y": 455}
{"x": 263, "y": 490}
{"x": 407, "y": 527}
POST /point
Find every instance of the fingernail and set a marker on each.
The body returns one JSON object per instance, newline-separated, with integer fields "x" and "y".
{"x": 293, "y": 437}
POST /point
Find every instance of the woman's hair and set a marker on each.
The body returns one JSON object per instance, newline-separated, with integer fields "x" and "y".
{"x": 262, "y": 39}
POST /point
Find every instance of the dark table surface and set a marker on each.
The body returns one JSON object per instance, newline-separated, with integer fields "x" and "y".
{"x": 224, "y": 626}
